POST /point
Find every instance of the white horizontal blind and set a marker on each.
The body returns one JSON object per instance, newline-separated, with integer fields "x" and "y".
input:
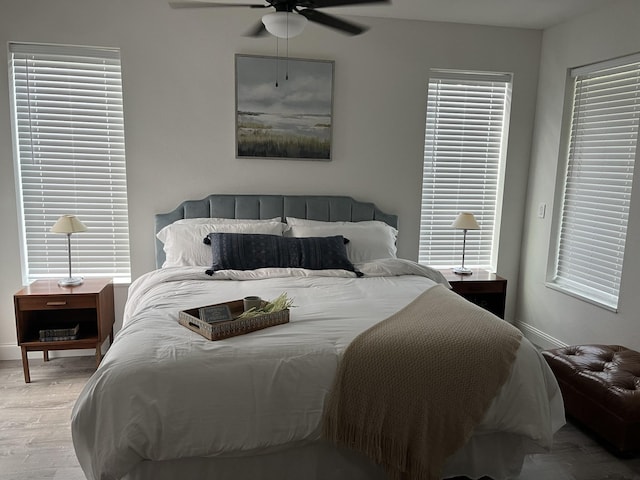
{"x": 69, "y": 143}
{"x": 597, "y": 191}
{"x": 463, "y": 154}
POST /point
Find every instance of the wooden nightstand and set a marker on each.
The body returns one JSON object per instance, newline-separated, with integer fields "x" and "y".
{"x": 44, "y": 305}
{"x": 483, "y": 288}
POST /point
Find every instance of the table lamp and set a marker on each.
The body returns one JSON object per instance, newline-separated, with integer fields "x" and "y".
{"x": 69, "y": 224}
{"x": 464, "y": 221}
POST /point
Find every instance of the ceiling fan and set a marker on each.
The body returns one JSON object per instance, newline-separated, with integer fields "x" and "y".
{"x": 291, "y": 16}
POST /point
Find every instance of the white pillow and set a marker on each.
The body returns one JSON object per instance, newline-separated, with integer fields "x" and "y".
{"x": 317, "y": 223}
{"x": 226, "y": 220}
{"x": 184, "y": 245}
{"x": 368, "y": 241}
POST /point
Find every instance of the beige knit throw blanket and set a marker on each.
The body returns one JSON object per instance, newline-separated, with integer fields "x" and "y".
{"x": 410, "y": 390}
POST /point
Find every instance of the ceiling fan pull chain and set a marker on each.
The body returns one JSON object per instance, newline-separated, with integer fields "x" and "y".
{"x": 277, "y": 57}
{"x": 286, "y": 63}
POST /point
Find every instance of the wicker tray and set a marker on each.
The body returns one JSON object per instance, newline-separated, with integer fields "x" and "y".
{"x": 220, "y": 330}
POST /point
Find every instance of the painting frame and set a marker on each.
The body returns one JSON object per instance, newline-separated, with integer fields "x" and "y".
{"x": 283, "y": 108}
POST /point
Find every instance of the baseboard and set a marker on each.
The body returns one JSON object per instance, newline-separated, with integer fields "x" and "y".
{"x": 10, "y": 351}
{"x": 538, "y": 337}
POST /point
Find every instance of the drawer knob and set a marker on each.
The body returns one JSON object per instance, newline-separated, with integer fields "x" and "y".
{"x": 56, "y": 304}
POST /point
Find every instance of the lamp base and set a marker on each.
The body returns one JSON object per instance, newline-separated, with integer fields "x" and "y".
{"x": 462, "y": 271}
{"x": 70, "y": 281}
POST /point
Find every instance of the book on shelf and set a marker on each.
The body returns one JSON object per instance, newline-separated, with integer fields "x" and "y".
{"x": 59, "y": 334}
{"x": 59, "y": 338}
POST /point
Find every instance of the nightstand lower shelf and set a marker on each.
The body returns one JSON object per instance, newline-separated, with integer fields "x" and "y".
{"x": 45, "y": 347}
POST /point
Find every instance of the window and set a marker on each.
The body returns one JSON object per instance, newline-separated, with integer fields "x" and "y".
{"x": 69, "y": 154}
{"x": 603, "y": 131}
{"x": 464, "y": 149}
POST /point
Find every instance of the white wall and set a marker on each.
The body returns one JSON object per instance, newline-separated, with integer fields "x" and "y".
{"x": 556, "y": 318}
{"x": 178, "y": 76}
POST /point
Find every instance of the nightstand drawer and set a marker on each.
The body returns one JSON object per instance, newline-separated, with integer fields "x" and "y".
{"x": 478, "y": 287}
{"x": 53, "y": 302}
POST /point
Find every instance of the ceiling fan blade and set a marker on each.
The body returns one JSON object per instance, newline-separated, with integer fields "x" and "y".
{"x": 333, "y": 22}
{"x": 214, "y": 4}
{"x": 336, "y": 3}
{"x": 257, "y": 31}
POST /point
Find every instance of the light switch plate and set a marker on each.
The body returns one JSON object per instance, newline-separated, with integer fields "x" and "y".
{"x": 542, "y": 209}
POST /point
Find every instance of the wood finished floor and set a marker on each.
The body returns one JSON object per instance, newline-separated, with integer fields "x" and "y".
{"x": 35, "y": 436}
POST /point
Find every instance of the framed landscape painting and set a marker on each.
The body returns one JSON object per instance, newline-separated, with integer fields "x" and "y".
{"x": 283, "y": 108}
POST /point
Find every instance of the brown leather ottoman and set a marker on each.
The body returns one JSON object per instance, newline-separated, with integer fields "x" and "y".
{"x": 600, "y": 386}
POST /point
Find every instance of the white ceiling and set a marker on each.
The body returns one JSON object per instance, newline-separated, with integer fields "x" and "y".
{"x": 538, "y": 14}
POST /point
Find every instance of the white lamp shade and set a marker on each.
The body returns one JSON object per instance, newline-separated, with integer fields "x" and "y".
{"x": 68, "y": 224}
{"x": 284, "y": 24}
{"x": 465, "y": 221}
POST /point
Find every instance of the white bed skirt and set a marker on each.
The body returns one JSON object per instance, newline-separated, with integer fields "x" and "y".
{"x": 498, "y": 455}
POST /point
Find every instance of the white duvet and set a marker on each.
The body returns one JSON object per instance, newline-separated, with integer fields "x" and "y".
{"x": 164, "y": 392}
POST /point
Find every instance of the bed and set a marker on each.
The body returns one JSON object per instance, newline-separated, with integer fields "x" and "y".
{"x": 166, "y": 403}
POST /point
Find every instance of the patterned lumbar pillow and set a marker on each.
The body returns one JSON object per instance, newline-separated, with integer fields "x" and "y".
{"x": 237, "y": 251}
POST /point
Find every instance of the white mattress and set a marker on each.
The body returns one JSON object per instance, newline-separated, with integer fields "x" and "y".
{"x": 165, "y": 394}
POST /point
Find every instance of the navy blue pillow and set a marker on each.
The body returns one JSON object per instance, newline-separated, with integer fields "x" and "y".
{"x": 248, "y": 251}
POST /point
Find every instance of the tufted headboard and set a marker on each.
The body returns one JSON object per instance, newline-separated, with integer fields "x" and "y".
{"x": 327, "y": 208}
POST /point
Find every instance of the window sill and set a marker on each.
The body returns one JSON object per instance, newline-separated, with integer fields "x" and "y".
{"x": 581, "y": 296}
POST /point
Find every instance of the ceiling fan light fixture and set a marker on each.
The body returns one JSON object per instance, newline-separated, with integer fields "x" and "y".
{"x": 284, "y": 24}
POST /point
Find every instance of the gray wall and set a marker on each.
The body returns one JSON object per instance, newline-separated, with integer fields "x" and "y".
{"x": 178, "y": 76}
{"x": 548, "y": 315}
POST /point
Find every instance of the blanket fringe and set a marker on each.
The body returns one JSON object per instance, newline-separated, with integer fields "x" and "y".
{"x": 393, "y": 456}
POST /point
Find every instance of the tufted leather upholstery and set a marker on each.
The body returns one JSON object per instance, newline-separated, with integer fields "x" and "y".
{"x": 601, "y": 388}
